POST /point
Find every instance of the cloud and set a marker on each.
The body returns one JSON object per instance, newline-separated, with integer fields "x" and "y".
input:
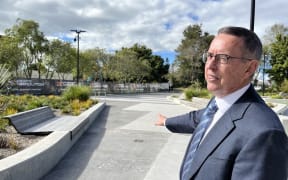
{"x": 158, "y": 24}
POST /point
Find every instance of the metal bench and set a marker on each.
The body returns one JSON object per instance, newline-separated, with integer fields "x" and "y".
{"x": 40, "y": 121}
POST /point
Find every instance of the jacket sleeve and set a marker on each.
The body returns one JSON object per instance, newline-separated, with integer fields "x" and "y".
{"x": 264, "y": 157}
{"x": 185, "y": 123}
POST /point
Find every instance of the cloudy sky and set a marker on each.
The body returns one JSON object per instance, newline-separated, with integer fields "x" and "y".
{"x": 158, "y": 24}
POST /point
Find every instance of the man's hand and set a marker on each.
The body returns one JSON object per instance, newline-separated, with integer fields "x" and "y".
{"x": 161, "y": 120}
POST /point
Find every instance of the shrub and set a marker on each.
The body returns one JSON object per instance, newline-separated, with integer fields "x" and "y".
{"x": 77, "y": 92}
{"x": 57, "y": 102}
{"x": 276, "y": 96}
{"x": 35, "y": 102}
{"x": 74, "y": 102}
{"x": 3, "y": 124}
{"x": 13, "y": 143}
{"x": 10, "y": 111}
{"x": 87, "y": 104}
{"x": 284, "y": 86}
{"x": 67, "y": 110}
{"x": 4, "y": 143}
{"x": 8, "y": 142}
{"x": 188, "y": 94}
{"x": 191, "y": 92}
{"x": 17, "y": 102}
{"x": 76, "y": 112}
{"x": 3, "y": 103}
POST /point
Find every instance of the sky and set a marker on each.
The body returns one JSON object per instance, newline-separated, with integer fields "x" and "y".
{"x": 157, "y": 24}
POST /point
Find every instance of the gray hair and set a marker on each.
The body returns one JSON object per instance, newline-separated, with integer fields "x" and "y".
{"x": 252, "y": 43}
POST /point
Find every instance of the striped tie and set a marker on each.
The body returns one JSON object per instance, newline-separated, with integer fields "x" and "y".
{"x": 199, "y": 132}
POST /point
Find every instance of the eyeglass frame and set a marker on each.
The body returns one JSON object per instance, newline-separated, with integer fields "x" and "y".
{"x": 207, "y": 55}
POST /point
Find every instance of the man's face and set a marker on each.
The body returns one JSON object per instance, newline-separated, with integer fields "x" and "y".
{"x": 223, "y": 79}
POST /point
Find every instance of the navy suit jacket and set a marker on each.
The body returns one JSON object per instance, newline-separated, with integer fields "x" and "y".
{"x": 247, "y": 143}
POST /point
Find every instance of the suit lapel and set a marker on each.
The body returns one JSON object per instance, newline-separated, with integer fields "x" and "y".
{"x": 211, "y": 141}
{"x": 220, "y": 131}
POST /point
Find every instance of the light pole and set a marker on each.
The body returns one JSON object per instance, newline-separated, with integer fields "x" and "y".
{"x": 252, "y": 15}
{"x": 263, "y": 78}
{"x": 77, "y": 39}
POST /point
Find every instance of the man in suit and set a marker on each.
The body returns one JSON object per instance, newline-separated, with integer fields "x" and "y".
{"x": 245, "y": 139}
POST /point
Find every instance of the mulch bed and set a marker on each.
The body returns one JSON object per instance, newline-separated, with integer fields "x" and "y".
{"x": 15, "y": 142}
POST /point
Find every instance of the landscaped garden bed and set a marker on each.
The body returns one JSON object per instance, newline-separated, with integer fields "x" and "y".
{"x": 73, "y": 101}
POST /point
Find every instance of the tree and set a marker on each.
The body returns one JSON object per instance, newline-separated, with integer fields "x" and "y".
{"x": 61, "y": 59}
{"x": 269, "y": 38}
{"x": 33, "y": 43}
{"x": 107, "y": 70}
{"x": 272, "y": 32}
{"x": 126, "y": 62}
{"x": 11, "y": 54}
{"x": 144, "y": 58}
{"x": 160, "y": 69}
{"x": 279, "y": 59}
{"x": 188, "y": 61}
{"x": 94, "y": 60}
{"x": 153, "y": 67}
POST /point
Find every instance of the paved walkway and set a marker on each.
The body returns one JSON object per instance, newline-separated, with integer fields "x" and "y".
{"x": 124, "y": 143}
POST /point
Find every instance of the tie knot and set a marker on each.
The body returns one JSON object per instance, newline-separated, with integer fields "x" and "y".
{"x": 212, "y": 107}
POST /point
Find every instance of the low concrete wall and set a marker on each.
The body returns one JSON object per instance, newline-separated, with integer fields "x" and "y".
{"x": 37, "y": 160}
{"x": 280, "y": 109}
{"x": 87, "y": 118}
{"x": 198, "y": 103}
{"x": 284, "y": 120}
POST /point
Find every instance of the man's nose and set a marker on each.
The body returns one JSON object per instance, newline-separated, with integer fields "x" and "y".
{"x": 212, "y": 62}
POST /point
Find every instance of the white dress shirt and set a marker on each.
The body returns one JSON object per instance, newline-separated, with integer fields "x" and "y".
{"x": 224, "y": 104}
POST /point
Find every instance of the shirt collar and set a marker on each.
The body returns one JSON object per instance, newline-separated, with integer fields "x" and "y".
{"x": 224, "y": 103}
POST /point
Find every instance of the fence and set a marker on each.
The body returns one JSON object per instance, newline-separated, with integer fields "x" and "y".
{"x": 35, "y": 86}
{"x": 46, "y": 87}
{"x": 120, "y": 88}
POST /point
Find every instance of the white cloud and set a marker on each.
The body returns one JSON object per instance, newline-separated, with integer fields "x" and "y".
{"x": 158, "y": 24}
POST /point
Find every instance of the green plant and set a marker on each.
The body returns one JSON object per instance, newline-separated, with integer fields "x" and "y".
{"x": 57, "y": 102}
{"x": 8, "y": 142}
{"x": 3, "y": 103}
{"x": 4, "y": 142}
{"x": 87, "y": 104}
{"x": 3, "y": 124}
{"x": 191, "y": 92}
{"x": 188, "y": 94}
{"x": 276, "y": 96}
{"x": 77, "y": 92}
{"x": 67, "y": 109}
{"x": 196, "y": 85}
{"x": 13, "y": 143}
{"x": 72, "y": 105}
{"x": 284, "y": 86}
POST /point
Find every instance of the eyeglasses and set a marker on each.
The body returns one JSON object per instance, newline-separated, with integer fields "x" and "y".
{"x": 220, "y": 58}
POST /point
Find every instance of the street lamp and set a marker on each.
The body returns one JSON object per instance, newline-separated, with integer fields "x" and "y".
{"x": 252, "y": 15}
{"x": 77, "y": 39}
{"x": 263, "y": 78}
{"x": 266, "y": 66}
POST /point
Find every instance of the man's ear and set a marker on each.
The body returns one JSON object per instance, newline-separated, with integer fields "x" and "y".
{"x": 252, "y": 67}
